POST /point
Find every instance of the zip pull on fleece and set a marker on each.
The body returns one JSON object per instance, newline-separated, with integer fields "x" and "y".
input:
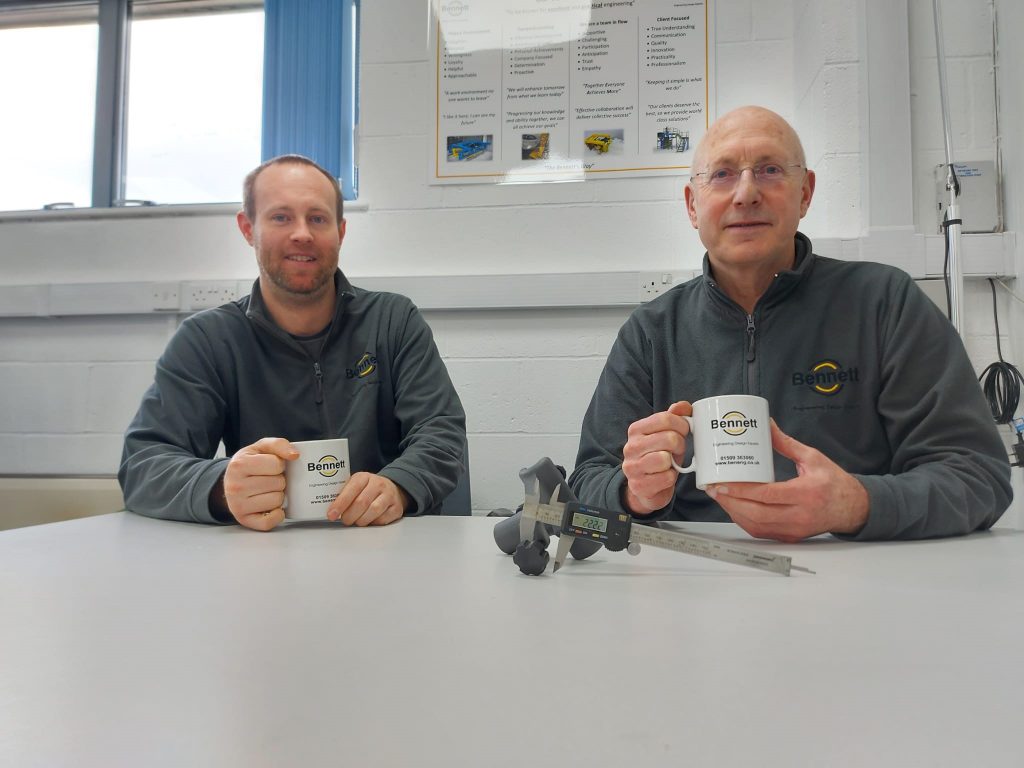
{"x": 750, "y": 338}
{"x": 319, "y": 376}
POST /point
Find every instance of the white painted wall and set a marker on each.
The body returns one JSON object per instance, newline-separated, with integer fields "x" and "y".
{"x": 525, "y": 376}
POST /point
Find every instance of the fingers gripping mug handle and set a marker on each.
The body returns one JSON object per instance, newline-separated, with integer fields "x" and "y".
{"x": 689, "y": 467}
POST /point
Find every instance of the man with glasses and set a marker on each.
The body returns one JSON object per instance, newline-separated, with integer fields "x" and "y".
{"x": 883, "y": 432}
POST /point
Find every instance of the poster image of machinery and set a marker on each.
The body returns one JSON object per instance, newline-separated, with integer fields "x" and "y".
{"x": 671, "y": 140}
{"x": 609, "y": 141}
{"x": 536, "y": 146}
{"x": 464, "y": 148}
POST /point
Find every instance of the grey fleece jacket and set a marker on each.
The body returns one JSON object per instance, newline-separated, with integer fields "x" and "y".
{"x": 854, "y": 360}
{"x": 231, "y": 374}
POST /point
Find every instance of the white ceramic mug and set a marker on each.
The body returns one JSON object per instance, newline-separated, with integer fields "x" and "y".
{"x": 732, "y": 441}
{"x": 314, "y": 479}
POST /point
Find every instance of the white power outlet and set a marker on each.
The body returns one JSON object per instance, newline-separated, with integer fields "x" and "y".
{"x": 211, "y": 293}
{"x": 653, "y": 284}
{"x": 166, "y": 296}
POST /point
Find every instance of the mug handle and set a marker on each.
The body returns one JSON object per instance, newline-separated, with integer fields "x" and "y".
{"x": 689, "y": 467}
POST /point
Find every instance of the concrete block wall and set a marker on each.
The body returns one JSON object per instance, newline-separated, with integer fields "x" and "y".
{"x": 826, "y": 94}
{"x": 526, "y": 379}
{"x": 754, "y": 43}
{"x": 69, "y": 386}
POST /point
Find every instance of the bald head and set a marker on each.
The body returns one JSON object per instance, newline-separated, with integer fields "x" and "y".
{"x": 749, "y": 121}
{"x": 748, "y": 219}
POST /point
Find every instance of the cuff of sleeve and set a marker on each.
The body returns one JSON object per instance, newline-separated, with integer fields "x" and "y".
{"x": 613, "y": 490}
{"x": 201, "y": 487}
{"x": 881, "y": 523}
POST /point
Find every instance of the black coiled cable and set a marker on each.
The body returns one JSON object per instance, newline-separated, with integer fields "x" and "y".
{"x": 1001, "y": 382}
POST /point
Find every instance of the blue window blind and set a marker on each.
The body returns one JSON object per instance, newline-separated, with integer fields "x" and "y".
{"x": 310, "y": 88}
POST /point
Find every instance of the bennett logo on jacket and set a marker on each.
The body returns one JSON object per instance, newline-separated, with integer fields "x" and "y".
{"x": 826, "y": 377}
{"x": 363, "y": 367}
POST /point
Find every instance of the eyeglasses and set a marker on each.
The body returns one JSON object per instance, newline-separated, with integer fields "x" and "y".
{"x": 725, "y": 178}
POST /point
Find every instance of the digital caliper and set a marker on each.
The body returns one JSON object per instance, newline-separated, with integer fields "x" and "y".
{"x": 550, "y": 508}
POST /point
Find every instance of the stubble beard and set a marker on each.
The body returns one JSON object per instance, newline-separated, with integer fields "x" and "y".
{"x": 281, "y": 281}
{"x": 289, "y": 287}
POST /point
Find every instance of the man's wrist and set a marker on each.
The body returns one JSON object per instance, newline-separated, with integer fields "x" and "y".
{"x": 857, "y": 508}
{"x": 633, "y": 503}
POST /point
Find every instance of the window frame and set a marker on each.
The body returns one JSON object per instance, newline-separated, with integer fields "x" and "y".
{"x": 113, "y": 19}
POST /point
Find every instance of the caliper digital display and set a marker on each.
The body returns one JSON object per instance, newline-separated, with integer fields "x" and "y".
{"x": 580, "y": 520}
{"x": 609, "y": 528}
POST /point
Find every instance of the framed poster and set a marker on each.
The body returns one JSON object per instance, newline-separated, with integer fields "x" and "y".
{"x": 556, "y": 90}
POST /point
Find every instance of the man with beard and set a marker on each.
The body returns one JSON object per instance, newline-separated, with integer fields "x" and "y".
{"x": 306, "y": 356}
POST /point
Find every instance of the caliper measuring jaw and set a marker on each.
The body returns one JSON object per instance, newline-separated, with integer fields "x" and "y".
{"x": 527, "y": 533}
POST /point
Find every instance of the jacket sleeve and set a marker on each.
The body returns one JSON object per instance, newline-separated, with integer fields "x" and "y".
{"x": 949, "y": 473}
{"x": 433, "y": 424}
{"x": 623, "y": 395}
{"x": 168, "y": 466}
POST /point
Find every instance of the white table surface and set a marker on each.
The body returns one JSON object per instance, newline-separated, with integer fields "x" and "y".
{"x": 126, "y": 641}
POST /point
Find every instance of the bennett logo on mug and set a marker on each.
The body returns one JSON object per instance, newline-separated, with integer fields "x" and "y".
{"x": 327, "y": 466}
{"x": 314, "y": 479}
{"x": 734, "y": 423}
{"x": 732, "y": 441}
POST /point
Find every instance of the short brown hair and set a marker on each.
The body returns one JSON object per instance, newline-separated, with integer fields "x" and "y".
{"x": 248, "y": 202}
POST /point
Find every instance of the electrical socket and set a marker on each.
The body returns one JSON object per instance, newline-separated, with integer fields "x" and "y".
{"x": 653, "y": 284}
{"x": 166, "y": 296}
{"x": 211, "y": 293}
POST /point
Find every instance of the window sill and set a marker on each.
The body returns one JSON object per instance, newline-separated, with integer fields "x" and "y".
{"x": 127, "y": 212}
{"x": 139, "y": 211}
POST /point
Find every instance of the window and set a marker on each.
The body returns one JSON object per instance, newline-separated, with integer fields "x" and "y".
{"x": 49, "y": 111}
{"x": 153, "y": 102}
{"x": 195, "y": 92}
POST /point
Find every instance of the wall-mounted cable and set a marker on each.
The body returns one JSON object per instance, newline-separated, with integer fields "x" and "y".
{"x": 1002, "y": 383}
